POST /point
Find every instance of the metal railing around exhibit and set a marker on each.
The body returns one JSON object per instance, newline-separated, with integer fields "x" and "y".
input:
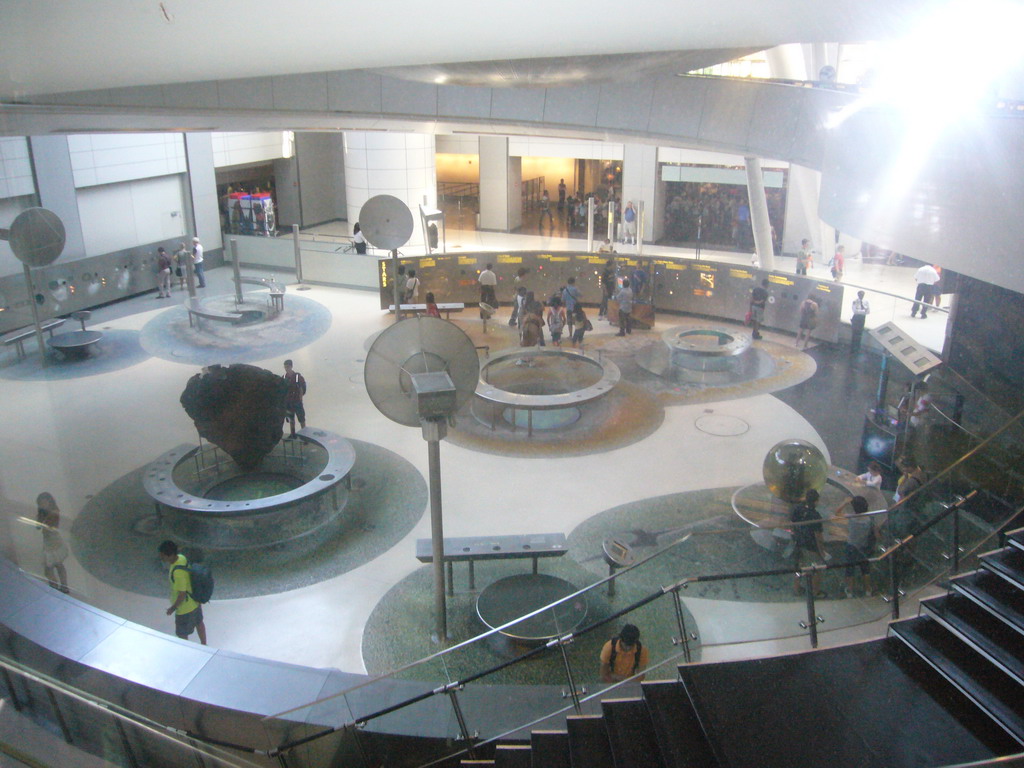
{"x": 925, "y": 537}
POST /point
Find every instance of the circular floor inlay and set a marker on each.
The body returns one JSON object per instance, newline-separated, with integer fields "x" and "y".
{"x": 721, "y": 425}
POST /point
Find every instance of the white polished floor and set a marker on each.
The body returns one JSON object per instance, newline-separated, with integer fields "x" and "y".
{"x": 75, "y": 437}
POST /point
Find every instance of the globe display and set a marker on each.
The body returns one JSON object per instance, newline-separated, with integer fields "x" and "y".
{"x": 792, "y": 468}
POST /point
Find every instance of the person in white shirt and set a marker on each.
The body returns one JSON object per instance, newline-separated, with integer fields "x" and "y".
{"x": 197, "y": 262}
{"x": 358, "y": 239}
{"x": 926, "y": 278}
{"x": 488, "y": 280}
{"x": 861, "y": 308}
{"x": 873, "y": 477}
{"x": 412, "y": 288}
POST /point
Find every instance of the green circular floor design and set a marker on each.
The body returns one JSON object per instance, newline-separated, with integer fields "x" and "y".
{"x": 114, "y": 541}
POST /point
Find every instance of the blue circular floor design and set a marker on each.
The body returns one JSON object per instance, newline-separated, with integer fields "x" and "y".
{"x": 116, "y": 350}
{"x": 169, "y": 336}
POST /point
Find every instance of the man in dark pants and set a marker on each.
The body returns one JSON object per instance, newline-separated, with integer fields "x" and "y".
{"x": 188, "y": 614}
{"x": 861, "y": 308}
{"x": 293, "y": 398}
{"x": 758, "y": 299}
{"x": 608, "y": 286}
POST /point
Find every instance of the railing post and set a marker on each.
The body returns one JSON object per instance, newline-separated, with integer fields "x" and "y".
{"x": 297, "y": 245}
{"x": 59, "y": 715}
{"x": 681, "y": 622}
{"x": 811, "y": 625}
{"x": 573, "y": 693}
{"x": 894, "y": 576}
{"x": 466, "y": 736}
{"x": 956, "y": 539}
{"x": 10, "y": 688}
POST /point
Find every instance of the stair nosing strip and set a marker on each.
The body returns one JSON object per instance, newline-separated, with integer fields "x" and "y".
{"x": 963, "y": 691}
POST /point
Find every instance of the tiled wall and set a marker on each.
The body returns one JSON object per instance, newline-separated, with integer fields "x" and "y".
{"x": 107, "y": 158}
{"x": 15, "y": 168}
{"x": 239, "y": 148}
{"x": 399, "y": 164}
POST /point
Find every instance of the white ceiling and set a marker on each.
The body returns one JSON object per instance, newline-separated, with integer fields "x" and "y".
{"x": 52, "y": 46}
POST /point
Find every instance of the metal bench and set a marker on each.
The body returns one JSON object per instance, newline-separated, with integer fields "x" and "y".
{"x": 198, "y": 311}
{"x": 447, "y": 308}
{"x": 276, "y": 289}
{"x": 18, "y": 338}
{"x": 471, "y": 549}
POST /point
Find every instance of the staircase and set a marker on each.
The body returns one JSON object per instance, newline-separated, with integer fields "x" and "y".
{"x": 944, "y": 688}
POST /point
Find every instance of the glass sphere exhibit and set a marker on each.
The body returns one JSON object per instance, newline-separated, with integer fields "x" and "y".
{"x": 793, "y": 467}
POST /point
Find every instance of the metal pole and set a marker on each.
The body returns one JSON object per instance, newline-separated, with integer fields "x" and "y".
{"x": 59, "y": 715}
{"x": 466, "y": 736}
{"x": 298, "y": 253}
{"x": 35, "y": 313}
{"x": 640, "y": 228}
{"x": 394, "y": 285}
{"x": 236, "y": 271}
{"x": 681, "y": 622}
{"x": 895, "y": 578}
{"x": 437, "y": 530}
{"x": 572, "y": 683}
{"x": 956, "y": 539}
{"x": 812, "y": 622}
{"x": 190, "y": 277}
{"x": 611, "y": 220}
{"x": 590, "y": 224}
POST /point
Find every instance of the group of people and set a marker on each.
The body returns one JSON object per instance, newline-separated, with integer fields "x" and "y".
{"x": 717, "y": 215}
{"x": 179, "y": 262}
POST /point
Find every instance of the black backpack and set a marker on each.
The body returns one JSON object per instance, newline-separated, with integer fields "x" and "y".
{"x": 202, "y": 581}
{"x": 615, "y": 652}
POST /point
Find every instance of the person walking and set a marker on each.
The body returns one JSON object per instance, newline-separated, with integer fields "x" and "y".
{"x": 545, "y": 210}
{"x": 808, "y": 540}
{"x": 561, "y": 195}
{"x": 624, "y": 297}
{"x": 860, "y": 541}
{"x": 163, "y": 271}
{"x": 758, "y": 299}
{"x": 55, "y": 550}
{"x": 804, "y": 257}
{"x": 629, "y": 224}
{"x": 488, "y": 283}
{"x": 358, "y": 239}
{"x": 808, "y": 321}
{"x": 571, "y": 296}
{"x": 293, "y": 398}
{"x": 624, "y": 656}
{"x": 181, "y": 259}
{"x": 839, "y": 263}
{"x": 412, "y": 288}
{"x": 608, "y": 285}
{"x": 861, "y": 309}
{"x": 926, "y": 278}
{"x": 188, "y": 614}
{"x": 197, "y": 262}
{"x": 582, "y": 324}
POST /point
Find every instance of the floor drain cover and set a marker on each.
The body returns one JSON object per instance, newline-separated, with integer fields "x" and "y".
{"x": 722, "y": 426}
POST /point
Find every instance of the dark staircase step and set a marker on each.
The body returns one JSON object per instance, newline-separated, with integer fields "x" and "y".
{"x": 870, "y": 704}
{"x": 513, "y": 756}
{"x": 996, "y": 640}
{"x": 588, "y": 742}
{"x": 1007, "y": 563}
{"x": 631, "y": 735}
{"x": 993, "y": 593}
{"x": 550, "y": 749}
{"x": 681, "y": 738}
{"x": 989, "y": 688}
{"x": 1015, "y": 538}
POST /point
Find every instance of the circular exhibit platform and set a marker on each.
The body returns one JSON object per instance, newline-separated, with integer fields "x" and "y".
{"x": 705, "y": 355}
{"x": 540, "y": 388}
{"x": 203, "y": 498}
{"x": 513, "y": 596}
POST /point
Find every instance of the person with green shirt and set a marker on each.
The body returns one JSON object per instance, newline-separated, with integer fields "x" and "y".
{"x": 188, "y": 614}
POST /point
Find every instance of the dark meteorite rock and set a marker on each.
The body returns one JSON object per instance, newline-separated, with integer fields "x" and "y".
{"x": 239, "y": 408}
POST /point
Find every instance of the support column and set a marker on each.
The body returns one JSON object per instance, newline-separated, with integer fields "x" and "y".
{"x": 398, "y": 164}
{"x": 759, "y": 214}
{"x": 55, "y": 186}
{"x": 501, "y": 186}
{"x": 202, "y": 187}
{"x": 640, "y": 182}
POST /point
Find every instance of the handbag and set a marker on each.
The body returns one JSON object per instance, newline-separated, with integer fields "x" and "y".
{"x": 748, "y": 318}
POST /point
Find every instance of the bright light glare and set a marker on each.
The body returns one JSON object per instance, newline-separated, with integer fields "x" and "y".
{"x": 953, "y": 58}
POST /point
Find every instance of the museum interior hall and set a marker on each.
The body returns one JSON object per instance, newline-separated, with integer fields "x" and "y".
{"x": 633, "y": 389}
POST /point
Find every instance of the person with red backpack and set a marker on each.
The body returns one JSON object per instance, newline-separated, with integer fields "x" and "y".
{"x": 623, "y": 656}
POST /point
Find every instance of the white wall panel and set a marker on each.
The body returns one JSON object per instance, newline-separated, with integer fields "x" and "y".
{"x": 129, "y": 214}
{"x": 232, "y": 148}
{"x": 15, "y": 168}
{"x": 103, "y": 158}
